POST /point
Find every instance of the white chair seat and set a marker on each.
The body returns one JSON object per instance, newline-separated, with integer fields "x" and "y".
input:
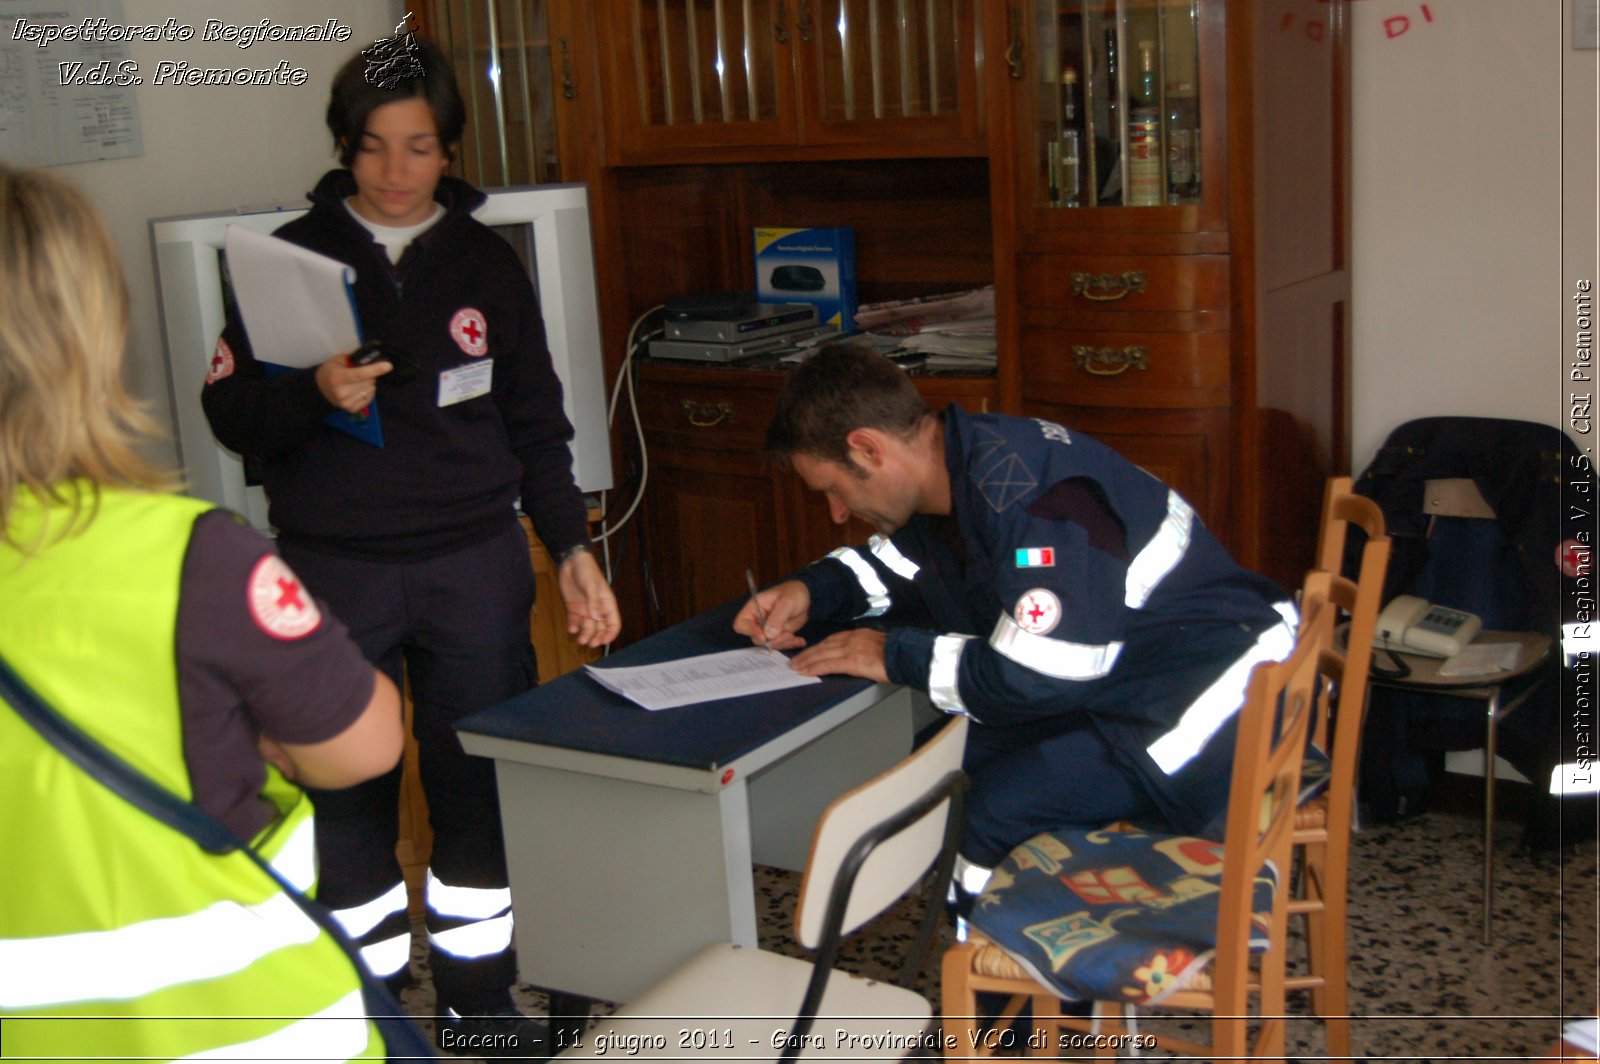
{"x": 755, "y": 994}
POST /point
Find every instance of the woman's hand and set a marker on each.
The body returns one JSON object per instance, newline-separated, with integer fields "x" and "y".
{"x": 592, "y": 616}
{"x": 350, "y": 388}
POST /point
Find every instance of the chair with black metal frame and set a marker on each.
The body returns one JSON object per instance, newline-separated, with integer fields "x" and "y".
{"x": 871, "y": 846}
{"x": 1460, "y": 498}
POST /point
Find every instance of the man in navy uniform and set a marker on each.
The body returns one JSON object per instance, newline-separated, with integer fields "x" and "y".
{"x": 1068, "y": 602}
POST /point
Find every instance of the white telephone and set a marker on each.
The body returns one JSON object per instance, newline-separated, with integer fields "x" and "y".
{"x": 1414, "y": 626}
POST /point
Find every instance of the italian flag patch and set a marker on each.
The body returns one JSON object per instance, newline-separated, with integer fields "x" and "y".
{"x": 1036, "y": 557}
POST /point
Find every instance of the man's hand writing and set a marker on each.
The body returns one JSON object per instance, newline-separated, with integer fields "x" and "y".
{"x": 786, "y": 606}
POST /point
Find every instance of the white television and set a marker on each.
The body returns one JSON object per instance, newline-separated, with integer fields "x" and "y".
{"x": 547, "y": 225}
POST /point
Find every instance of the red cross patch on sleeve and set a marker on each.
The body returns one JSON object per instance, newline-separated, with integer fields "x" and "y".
{"x": 279, "y": 603}
{"x": 221, "y": 362}
{"x": 470, "y": 331}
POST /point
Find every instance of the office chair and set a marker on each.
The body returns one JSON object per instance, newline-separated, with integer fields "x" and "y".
{"x": 1483, "y": 515}
{"x": 871, "y": 846}
{"x": 1126, "y": 918}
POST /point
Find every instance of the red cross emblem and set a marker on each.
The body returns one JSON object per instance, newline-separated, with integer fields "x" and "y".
{"x": 221, "y": 362}
{"x": 470, "y": 331}
{"x": 1038, "y": 611}
{"x": 1574, "y": 558}
{"x": 278, "y": 601}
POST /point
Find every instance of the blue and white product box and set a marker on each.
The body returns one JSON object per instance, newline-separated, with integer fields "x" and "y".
{"x": 809, "y": 266}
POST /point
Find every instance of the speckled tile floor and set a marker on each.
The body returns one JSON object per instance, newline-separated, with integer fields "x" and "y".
{"x": 1422, "y": 986}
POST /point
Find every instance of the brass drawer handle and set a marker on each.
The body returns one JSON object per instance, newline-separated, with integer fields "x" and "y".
{"x": 1109, "y": 361}
{"x": 706, "y": 415}
{"x": 1105, "y": 287}
{"x": 1013, "y": 52}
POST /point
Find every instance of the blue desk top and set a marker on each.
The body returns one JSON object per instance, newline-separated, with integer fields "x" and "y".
{"x": 573, "y": 712}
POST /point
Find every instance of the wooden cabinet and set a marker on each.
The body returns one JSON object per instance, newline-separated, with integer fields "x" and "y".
{"x": 1156, "y": 188}
{"x": 716, "y": 505}
{"x": 689, "y": 81}
{"x": 1170, "y": 246}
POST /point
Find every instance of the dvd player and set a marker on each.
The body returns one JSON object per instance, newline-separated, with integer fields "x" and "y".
{"x": 702, "y": 351}
{"x": 737, "y": 324}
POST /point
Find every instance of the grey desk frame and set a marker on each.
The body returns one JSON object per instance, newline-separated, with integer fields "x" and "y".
{"x": 621, "y": 869}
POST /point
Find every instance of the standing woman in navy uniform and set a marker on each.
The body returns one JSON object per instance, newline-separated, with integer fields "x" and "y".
{"x": 415, "y": 544}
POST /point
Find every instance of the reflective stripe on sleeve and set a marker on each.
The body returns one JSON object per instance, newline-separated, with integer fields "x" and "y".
{"x": 480, "y": 938}
{"x": 885, "y": 551}
{"x": 151, "y": 955}
{"x": 1163, "y": 552}
{"x": 338, "y": 1032}
{"x": 878, "y": 601}
{"x": 944, "y": 671}
{"x": 1208, "y": 713}
{"x": 1053, "y": 657}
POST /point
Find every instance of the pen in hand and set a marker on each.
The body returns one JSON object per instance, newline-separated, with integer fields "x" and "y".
{"x": 761, "y": 615}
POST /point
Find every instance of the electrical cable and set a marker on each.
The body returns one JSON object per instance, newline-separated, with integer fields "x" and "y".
{"x": 625, "y": 376}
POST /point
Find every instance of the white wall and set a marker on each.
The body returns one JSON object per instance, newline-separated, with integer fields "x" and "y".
{"x": 1473, "y": 209}
{"x": 216, "y": 147}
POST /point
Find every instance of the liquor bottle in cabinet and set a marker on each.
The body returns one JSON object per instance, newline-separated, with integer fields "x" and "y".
{"x": 1069, "y": 146}
{"x": 1144, "y": 133}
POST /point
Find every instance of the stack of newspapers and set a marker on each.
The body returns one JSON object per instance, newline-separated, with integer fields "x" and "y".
{"x": 953, "y": 332}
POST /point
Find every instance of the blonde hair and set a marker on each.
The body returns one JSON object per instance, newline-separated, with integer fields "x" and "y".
{"x": 67, "y": 425}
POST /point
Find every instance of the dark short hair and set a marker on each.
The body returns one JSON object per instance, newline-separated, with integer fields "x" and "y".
{"x": 356, "y": 94}
{"x": 841, "y": 388}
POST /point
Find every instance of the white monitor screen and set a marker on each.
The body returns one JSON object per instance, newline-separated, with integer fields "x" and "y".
{"x": 547, "y": 225}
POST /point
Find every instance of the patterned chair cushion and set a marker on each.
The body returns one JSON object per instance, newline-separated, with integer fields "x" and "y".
{"x": 1113, "y": 916}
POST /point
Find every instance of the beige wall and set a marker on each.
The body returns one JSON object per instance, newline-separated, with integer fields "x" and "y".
{"x": 1473, "y": 209}
{"x": 210, "y": 148}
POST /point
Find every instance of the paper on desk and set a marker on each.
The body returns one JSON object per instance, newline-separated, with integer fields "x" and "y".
{"x": 1482, "y": 659}
{"x": 295, "y": 303}
{"x": 706, "y": 678}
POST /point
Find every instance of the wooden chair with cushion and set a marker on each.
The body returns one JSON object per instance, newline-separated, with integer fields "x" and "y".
{"x": 1324, "y": 822}
{"x": 871, "y": 846}
{"x": 1126, "y": 918}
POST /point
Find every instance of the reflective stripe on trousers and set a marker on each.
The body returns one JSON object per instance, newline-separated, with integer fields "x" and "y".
{"x": 468, "y": 922}
{"x": 387, "y": 955}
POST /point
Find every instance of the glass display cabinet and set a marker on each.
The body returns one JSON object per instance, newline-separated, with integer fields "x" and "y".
{"x": 1116, "y": 100}
{"x": 689, "y": 76}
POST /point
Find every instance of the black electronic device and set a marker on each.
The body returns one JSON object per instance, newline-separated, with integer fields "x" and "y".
{"x": 752, "y": 321}
{"x": 793, "y": 278}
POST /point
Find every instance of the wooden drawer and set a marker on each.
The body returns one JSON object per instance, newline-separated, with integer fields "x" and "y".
{"x": 1123, "y": 283}
{"x": 709, "y": 409}
{"x": 1125, "y": 369}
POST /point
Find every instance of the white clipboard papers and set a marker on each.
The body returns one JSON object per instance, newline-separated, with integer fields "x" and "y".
{"x": 298, "y": 310}
{"x": 296, "y": 304}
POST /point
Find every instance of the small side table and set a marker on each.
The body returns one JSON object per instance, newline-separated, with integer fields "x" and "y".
{"x": 1532, "y": 649}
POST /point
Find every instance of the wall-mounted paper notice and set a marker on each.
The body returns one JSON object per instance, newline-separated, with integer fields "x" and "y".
{"x": 296, "y": 304}
{"x": 706, "y": 678}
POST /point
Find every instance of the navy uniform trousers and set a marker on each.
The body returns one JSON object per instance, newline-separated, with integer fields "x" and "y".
{"x": 457, "y": 627}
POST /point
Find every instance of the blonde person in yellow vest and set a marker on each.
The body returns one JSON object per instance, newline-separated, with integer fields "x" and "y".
{"x": 174, "y": 636}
